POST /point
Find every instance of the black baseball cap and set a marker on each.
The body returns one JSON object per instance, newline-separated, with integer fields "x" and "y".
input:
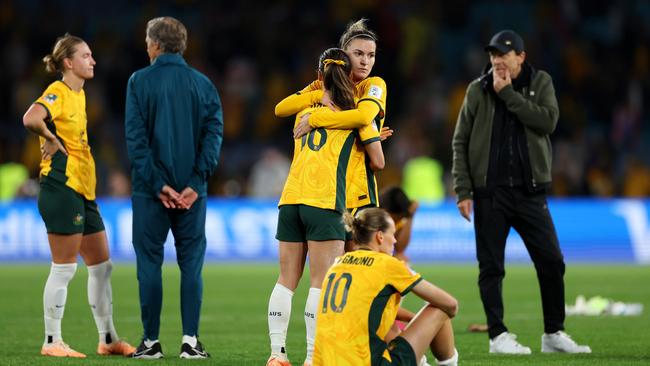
{"x": 506, "y": 41}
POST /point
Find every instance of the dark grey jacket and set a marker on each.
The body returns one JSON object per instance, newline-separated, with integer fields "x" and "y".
{"x": 536, "y": 108}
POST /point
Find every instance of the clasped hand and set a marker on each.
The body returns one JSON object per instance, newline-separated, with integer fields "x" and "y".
{"x": 174, "y": 200}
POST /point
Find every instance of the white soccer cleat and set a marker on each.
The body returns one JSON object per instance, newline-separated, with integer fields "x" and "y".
{"x": 507, "y": 343}
{"x": 562, "y": 342}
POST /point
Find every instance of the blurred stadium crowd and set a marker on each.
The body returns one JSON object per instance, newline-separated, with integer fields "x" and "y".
{"x": 597, "y": 51}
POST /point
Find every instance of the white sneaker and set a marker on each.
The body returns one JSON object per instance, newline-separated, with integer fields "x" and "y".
{"x": 507, "y": 343}
{"x": 562, "y": 342}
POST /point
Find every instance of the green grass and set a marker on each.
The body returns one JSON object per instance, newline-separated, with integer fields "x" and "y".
{"x": 233, "y": 325}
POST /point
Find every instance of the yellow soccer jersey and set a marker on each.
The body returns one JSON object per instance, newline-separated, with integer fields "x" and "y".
{"x": 360, "y": 178}
{"x": 320, "y": 160}
{"x": 362, "y": 184}
{"x": 66, "y": 118}
{"x": 374, "y": 89}
{"x": 358, "y": 305}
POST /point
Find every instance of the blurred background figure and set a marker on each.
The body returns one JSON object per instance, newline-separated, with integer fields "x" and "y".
{"x": 268, "y": 174}
{"x": 401, "y": 209}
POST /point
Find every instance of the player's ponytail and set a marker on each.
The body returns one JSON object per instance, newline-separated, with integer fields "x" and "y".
{"x": 65, "y": 47}
{"x": 335, "y": 67}
{"x": 366, "y": 224}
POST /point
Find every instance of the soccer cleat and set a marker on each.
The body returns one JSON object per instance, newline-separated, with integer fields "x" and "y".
{"x": 507, "y": 343}
{"x": 115, "y": 348}
{"x": 187, "y": 351}
{"x": 561, "y": 342}
{"x": 275, "y": 360}
{"x": 148, "y": 353}
{"x": 60, "y": 349}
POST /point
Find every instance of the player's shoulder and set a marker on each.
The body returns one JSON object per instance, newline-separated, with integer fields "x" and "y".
{"x": 55, "y": 92}
{"x": 372, "y": 80}
{"x": 312, "y": 110}
{"x": 57, "y": 87}
{"x": 374, "y": 87}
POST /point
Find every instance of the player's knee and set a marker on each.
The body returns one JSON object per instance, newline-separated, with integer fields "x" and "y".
{"x": 63, "y": 272}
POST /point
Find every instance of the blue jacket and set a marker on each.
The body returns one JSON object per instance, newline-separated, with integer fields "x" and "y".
{"x": 174, "y": 127}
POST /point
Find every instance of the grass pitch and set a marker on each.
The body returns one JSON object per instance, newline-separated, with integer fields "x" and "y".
{"x": 234, "y": 330}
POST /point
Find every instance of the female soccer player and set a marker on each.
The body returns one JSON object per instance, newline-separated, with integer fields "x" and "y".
{"x": 360, "y": 44}
{"x": 360, "y": 298}
{"x": 66, "y": 201}
{"x": 311, "y": 205}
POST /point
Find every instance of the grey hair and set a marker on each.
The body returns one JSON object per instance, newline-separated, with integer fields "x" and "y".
{"x": 169, "y": 33}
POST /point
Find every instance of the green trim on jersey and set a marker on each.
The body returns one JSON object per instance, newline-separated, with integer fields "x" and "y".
{"x": 370, "y": 177}
{"x": 377, "y": 345}
{"x": 371, "y": 140}
{"x": 341, "y": 169}
{"x": 408, "y": 289}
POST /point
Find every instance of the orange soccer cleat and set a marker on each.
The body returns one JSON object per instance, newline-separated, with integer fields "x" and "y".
{"x": 116, "y": 348}
{"x": 60, "y": 349}
{"x": 277, "y": 361}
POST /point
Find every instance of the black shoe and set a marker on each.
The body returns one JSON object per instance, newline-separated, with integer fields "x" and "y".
{"x": 188, "y": 351}
{"x": 149, "y": 353}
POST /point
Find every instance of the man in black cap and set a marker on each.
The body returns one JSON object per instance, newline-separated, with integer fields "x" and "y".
{"x": 502, "y": 166}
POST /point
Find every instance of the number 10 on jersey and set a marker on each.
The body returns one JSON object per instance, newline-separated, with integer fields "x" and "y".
{"x": 331, "y": 290}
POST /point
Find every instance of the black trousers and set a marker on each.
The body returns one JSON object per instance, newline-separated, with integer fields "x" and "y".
{"x": 494, "y": 215}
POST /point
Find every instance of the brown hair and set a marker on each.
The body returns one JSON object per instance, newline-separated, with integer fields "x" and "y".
{"x": 366, "y": 223}
{"x": 336, "y": 77}
{"x": 354, "y": 30}
{"x": 65, "y": 47}
{"x": 169, "y": 33}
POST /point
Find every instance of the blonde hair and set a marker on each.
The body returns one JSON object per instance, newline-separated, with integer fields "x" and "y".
{"x": 354, "y": 30}
{"x": 65, "y": 47}
{"x": 366, "y": 223}
{"x": 169, "y": 33}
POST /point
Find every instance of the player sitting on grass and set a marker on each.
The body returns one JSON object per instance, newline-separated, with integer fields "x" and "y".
{"x": 361, "y": 295}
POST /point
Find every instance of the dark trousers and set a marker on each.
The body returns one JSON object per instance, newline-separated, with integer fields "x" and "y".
{"x": 528, "y": 214}
{"x": 151, "y": 225}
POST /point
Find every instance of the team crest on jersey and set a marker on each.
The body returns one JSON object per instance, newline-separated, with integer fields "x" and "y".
{"x": 50, "y": 98}
{"x": 78, "y": 220}
{"x": 375, "y": 91}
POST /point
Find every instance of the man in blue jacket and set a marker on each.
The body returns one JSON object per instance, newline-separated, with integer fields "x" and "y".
{"x": 174, "y": 129}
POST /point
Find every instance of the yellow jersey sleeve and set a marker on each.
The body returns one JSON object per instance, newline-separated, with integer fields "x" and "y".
{"x": 371, "y": 106}
{"x": 369, "y": 133}
{"x": 398, "y": 275}
{"x": 346, "y": 120}
{"x": 373, "y": 89}
{"x": 314, "y": 85}
{"x": 298, "y": 102}
{"x": 52, "y": 100}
